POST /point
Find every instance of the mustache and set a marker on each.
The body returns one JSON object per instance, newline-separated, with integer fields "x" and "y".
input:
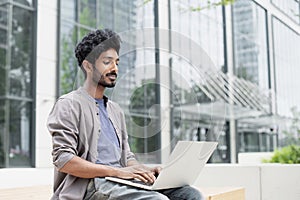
{"x": 112, "y": 73}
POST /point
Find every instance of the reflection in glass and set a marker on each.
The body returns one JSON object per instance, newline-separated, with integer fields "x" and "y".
{"x": 24, "y": 2}
{"x": 204, "y": 27}
{"x": 16, "y": 68}
{"x": 21, "y": 54}
{"x": 3, "y": 48}
{"x": 200, "y": 28}
{"x": 85, "y": 15}
{"x": 2, "y": 132}
{"x": 2, "y": 71}
{"x": 69, "y": 10}
{"x": 69, "y": 67}
{"x": 250, "y": 44}
{"x": 19, "y": 137}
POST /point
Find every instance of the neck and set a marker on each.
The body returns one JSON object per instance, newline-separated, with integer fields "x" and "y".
{"x": 95, "y": 90}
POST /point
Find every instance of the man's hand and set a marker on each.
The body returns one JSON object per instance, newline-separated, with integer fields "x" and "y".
{"x": 139, "y": 171}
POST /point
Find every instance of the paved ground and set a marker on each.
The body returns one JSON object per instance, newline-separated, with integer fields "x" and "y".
{"x": 27, "y": 193}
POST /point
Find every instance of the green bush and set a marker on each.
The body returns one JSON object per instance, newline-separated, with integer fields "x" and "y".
{"x": 286, "y": 155}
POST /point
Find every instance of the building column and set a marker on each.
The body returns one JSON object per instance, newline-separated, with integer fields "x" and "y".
{"x": 229, "y": 69}
{"x": 45, "y": 77}
{"x": 162, "y": 73}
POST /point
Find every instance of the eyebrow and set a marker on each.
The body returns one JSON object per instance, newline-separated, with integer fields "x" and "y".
{"x": 111, "y": 58}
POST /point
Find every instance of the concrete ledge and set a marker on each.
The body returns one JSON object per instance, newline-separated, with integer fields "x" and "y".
{"x": 25, "y": 177}
{"x": 253, "y": 157}
{"x": 261, "y": 181}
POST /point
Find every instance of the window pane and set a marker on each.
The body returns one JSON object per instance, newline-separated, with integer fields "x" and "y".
{"x": 69, "y": 10}
{"x": 286, "y": 58}
{"x": 290, "y": 8}
{"x": 3, "y": 48}
{"x": 68, "y": 62}
{"x": 24, "y": 2}
{"x": 2, "y": 132}
{"x": 87, "y": 13}
{"x": 106, "y": 20}
{"x": 197, "y": 31}
{"x": 2, "y": 71}
{"x": 250, "y": 44}
{"x": 19, "y": 133}
{"x": 21, "y": 54}
{"x": 3, "y": 18}
{"x": 118, "y": 16}
{"x": 204, "y": 27}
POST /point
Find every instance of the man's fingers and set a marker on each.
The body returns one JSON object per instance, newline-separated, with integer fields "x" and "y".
{"x": 142, "y": 173}
{"x": 149, "y": 176}
{"x": 140, "y": 177}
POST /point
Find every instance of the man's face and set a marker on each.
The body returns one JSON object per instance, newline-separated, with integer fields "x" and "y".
{"x": 106, "y": 69}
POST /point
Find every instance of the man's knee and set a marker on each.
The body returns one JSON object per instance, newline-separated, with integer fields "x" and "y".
{"x": 193, "y": 193}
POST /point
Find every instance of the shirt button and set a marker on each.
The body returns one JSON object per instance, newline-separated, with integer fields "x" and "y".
{"x": 97, "y": 113}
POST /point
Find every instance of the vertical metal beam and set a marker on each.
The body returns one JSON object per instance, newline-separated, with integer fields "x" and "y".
{"x": 171, "y": 96}
{"x": 34, "y": 96}
{"x": 58, "y": 48}
{"x": 157, "y": 71}
{"x": 228, "y": 29}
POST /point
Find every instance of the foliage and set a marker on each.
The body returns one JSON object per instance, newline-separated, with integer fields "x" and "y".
{"x": 68, "y": 72}
{"x": 68, "y": 67}
{"x": 140, "y": 103}
{"x": 210, "y": 4}
{"x": 287, "y": 155}
{"x": 290, "y": 153}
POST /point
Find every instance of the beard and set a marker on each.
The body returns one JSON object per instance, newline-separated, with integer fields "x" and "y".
{"x": 102, "y": 82}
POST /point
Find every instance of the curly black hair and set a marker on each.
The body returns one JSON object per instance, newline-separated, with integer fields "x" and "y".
{"x": 94, "y": 43}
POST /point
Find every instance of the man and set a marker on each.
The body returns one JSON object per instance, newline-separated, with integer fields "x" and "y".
{"x": 89, "y": 133}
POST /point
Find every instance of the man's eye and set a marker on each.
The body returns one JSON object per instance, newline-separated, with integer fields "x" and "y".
{"x": 106, "y": 63}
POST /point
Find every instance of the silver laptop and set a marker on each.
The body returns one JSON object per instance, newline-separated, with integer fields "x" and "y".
{"x": 183, "y": 167}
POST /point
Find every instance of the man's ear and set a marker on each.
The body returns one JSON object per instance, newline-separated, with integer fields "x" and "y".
{"x": 87, "y": 66}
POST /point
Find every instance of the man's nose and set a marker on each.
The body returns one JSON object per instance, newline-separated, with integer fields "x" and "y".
{"x": 115, "y": 66}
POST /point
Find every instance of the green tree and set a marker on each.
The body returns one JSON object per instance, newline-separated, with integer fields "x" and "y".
{"x": 290, "y": 152}
{"x": 287, "y": 155}
{"x": 140, "y": 103}
{"x": 69, "y": 67}
{"x": 210, "y": 4}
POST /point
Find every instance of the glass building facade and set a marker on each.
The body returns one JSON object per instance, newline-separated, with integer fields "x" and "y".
{"x": 197, "y": 70}
{"x": 17, "y": 64}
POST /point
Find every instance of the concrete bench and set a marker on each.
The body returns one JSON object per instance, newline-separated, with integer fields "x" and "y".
{"x": 44, "y": 192}
{"x": 223, "y": 193}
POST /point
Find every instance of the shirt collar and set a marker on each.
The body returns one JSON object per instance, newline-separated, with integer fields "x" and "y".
{"x": 105, "y": 98}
